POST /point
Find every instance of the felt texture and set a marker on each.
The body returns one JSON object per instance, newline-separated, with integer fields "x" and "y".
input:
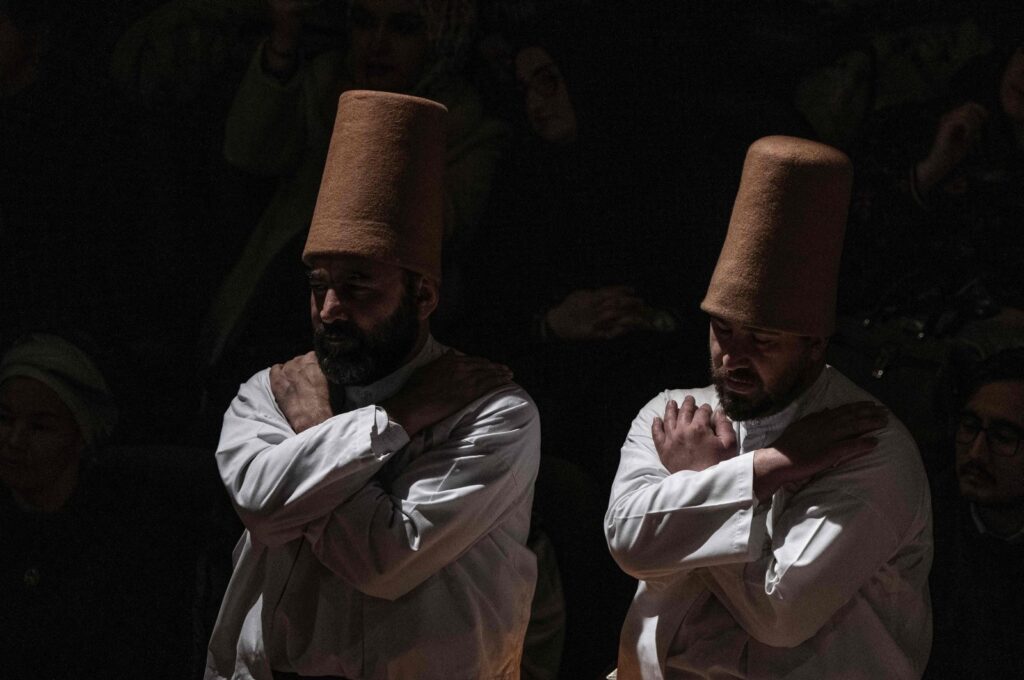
{"x": 382, "y": 191}
{"x": 779, "y": 265}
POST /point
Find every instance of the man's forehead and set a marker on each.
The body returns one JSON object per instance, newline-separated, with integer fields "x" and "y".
{"x": 352, "y": 264}
{"x": 1003, "y": 399}
{"x": 747, "y": 327}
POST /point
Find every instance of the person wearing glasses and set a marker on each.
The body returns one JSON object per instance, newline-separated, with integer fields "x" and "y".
{"x": 978, "y": 575}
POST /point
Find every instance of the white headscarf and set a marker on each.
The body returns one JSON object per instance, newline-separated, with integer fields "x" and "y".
{"x": 69, "y": 372}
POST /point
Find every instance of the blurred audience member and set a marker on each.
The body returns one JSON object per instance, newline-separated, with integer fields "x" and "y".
{"x": 574, "y": 283}
{"x": 63, "y": 543}
{"x": 92, "y": 582}
{"x": 280, "y": 125}
{"x": 569, "y": 274}
{"x": 934, "y": 244}
{"x": 940, "y": 205}
{"x": 979, "y": 530}
{"x": 968, "y": 131}
{"x": 56, "y": 407}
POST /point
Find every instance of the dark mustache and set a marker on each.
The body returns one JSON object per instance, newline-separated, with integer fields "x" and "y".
{"x": 340, "y": 329}
{"x": 742, "y": 374}
{"x": 977, "y": 468}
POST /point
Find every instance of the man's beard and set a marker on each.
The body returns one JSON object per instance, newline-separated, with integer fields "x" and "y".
{"x": 350, "y": 356}
{"x": 762, "y": 402}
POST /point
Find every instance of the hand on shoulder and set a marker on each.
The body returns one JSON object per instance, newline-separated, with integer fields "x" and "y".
{"x": 442, "y": 387}
{"x": 691, "y": 437}
{"x": 300, "y": 389}
{"x": 815, "y": 443}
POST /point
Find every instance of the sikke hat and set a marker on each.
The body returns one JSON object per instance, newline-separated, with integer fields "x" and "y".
{"x": 779, "y": 265}
{"x": 382, "y": 192}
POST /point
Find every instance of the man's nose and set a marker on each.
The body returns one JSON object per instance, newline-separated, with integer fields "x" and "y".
{"x": 333, "y": 307}
{"x": 979, "y": 449}
{"x": 735, "y": 354}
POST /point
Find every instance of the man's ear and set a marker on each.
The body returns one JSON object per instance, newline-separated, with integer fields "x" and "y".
{"x": 427, "y": 297}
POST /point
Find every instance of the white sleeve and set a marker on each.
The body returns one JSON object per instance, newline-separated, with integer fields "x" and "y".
{"x": 391, "y": 536}
{"x": 660, "y": 523}
{"x": 280, "y": 481}
{"x": 829, "y": 541}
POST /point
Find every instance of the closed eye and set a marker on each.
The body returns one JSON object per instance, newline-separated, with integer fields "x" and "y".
{"x": 720, "y": 328}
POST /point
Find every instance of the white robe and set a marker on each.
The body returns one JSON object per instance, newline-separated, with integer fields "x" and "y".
{"x": 371, "y": 556}
{"x": 827, "y": 582}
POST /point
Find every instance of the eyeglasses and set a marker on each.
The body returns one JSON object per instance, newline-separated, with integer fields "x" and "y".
{"x": 1002, "y": 439}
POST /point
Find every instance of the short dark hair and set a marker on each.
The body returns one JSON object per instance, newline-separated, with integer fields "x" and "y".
{"x": 1006, "y": 365}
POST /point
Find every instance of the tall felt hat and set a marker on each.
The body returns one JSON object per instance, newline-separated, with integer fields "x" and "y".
{"x": 382, "y": 192}
{"x": 779, "y": 266}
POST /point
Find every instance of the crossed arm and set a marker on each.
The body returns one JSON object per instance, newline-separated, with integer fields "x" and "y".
{"x": 826, "y": 541}
{"x": 388, "y": 538}
{"x": 280, "y": 481}
{"x": 662, "y": 522}
{"x": 382, "y": 530}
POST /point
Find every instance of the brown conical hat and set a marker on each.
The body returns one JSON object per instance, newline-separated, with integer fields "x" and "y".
{"x": 382, "y": 192}
{"x": 779, "y": 266}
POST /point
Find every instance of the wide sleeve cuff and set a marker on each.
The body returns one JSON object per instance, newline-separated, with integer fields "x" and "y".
{"x": 387, "y": 436}
{"x": 687, "y": 519}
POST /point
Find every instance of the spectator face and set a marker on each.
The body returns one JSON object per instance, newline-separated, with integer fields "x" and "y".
{"x": 389, "y": 45}
{"x": 987, "y": 475}
{"x": 1011, "y": 89}
{"x": 40, "y": 441}
{"x": 758, "y": 372}
{"x": 367, "y": 317}
{"x": 548, "y": 107}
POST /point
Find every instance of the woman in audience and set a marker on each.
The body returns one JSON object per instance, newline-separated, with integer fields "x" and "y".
{"x": 89, "y": 578}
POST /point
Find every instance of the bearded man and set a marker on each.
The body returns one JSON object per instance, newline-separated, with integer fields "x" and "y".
{"x": 778, "y": 520}
{"x": 385, "y": 482}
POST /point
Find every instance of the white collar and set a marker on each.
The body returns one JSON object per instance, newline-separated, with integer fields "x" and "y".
{"x": 768, "y": 428}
